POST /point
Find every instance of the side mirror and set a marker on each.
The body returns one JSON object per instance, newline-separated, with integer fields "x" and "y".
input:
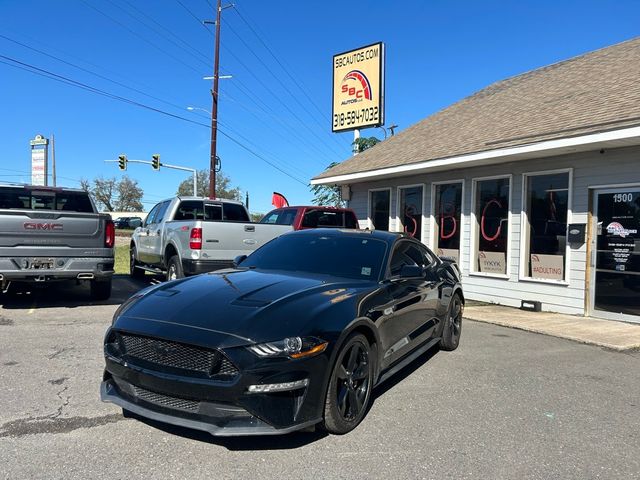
{"x": 411, "y": 271}
{"x": 238, "y": 260}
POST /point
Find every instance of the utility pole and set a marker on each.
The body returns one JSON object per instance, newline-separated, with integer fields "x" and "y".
{"x": 53, "y": 159}
{"x": 214, "y": 104}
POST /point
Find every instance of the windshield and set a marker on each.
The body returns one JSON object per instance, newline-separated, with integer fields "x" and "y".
{"x": 358, "y": 257}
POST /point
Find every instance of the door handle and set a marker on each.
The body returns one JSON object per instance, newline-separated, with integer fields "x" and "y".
{"x": 158, "y": 232}
{"x": 249, "y": 228}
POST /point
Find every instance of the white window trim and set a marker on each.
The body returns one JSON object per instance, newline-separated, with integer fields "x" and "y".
{"x": 369, "y": 221}
{"x": 474, "y": 229}
{"x": 524, "y": 230}
{"x": 422, "y": 205}
{"x": 432, "y": 216}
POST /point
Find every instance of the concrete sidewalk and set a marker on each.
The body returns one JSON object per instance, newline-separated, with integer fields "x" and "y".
{"x": 605, "y": 333}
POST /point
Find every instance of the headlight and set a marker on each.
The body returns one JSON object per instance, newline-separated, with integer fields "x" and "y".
{"x": 292, "y": 347}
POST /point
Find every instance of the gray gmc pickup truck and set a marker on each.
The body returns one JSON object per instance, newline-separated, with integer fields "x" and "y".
{"x": 49, "y": 234}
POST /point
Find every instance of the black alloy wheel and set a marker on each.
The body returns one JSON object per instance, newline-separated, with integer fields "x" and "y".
{"x": 133, "y": 270}
{"x": 350, "y": 386}
{"x": 453, "y": 325}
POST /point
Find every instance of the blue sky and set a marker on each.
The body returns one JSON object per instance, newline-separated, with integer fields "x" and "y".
{"x": 437, "y": 53}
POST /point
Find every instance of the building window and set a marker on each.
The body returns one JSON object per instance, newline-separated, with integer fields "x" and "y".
{"x": 379, "y": 209}
{"x": 545, "y": 225}
{"x": 491, "y": 209}
{"x": 448, "y": 224}
{"x": 410, "y": 210}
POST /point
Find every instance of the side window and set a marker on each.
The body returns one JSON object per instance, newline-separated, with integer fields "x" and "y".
{"x": 150, "y": 218}
{"x": 162, "y": 209}
{"x": 271, "y": 218}
{"x": 233, "y": 212}
{"x": 407, "y": 253}
{"x": 189, "y": 210}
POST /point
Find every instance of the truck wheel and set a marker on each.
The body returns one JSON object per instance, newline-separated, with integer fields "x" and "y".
{"x": 134, "y": 271}
{"x": 100, "y": 290}
{"x": 174, "y": 268}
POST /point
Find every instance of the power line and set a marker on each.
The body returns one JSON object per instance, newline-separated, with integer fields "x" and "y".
{"x": 260, "y": 82}
{"x": 288, "y": 90}
{"x": 134, "y": 33}
{"x": 63, "y": 79}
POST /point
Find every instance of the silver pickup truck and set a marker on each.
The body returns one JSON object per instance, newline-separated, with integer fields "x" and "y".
{"x": 49, "y": 234}
{"x": 191, "y": 235}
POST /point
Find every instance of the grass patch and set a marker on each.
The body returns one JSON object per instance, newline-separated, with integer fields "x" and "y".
{"x": 121, "y": 232}
{"x": 122, "y": 259}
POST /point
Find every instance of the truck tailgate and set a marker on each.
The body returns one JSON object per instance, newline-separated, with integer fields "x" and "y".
{"x": 226, "y": 240}
{"x": 55, "y": 230}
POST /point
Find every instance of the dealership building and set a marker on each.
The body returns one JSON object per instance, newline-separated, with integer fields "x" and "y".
{"x": 532, "y": 184}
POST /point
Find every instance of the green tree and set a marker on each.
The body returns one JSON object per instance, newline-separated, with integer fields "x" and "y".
{"x": 364, "y": 143}
{"x": 255, "y": 217}
{"x": 129, "y": 195}
{"x": 327, "y": 195}
{"x": 223, "y": 186}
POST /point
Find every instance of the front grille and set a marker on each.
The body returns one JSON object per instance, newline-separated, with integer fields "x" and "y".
{"x": 186, "y": 359}
{"x": 165, "y": 400}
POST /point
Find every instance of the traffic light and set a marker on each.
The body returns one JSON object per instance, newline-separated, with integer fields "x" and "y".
{"x": 155, "y": 162}
{"x": 122, "y": 162}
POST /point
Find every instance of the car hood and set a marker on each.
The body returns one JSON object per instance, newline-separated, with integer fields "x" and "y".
{"x": 236, "y": 307}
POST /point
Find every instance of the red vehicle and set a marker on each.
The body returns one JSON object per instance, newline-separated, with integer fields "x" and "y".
{"x": 301, "y": 217}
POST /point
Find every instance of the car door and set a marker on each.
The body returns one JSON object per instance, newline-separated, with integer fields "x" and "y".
{"x": 154, "y": 235}
{"x": 143, "y": 235}
{"x": 409, "y": 316}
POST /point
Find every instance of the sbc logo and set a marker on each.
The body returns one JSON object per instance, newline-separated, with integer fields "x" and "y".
{"x": 356, "y": 85}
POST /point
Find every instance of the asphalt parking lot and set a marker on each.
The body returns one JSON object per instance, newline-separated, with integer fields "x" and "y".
{"x": 506, "y": 404}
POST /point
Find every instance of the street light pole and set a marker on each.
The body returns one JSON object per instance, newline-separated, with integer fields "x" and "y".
{"x": 214, "y": 105}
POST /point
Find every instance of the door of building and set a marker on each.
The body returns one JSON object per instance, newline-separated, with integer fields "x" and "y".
{"x": 615, "y": 257}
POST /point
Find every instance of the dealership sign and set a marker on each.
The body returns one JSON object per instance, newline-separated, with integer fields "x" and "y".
{"x": 39, "y": 147}
{"x": 550, "y": 267}
{"x": 358, "y": 88}
{"x": 492, "y": 262}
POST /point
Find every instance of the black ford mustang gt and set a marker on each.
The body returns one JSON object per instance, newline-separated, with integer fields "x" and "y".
{"x": 296, "y": 334}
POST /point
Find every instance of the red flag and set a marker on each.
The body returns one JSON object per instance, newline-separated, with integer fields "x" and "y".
{"x": 278, "y": 200}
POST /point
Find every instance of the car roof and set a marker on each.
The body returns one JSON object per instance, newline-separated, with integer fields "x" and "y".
{"x": 27, "y": 186}
{"x": 324, "y": 207}
{"x": 388, "y": 237}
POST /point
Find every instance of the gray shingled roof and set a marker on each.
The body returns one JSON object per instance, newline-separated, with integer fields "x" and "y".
{"x": 594, "y": 92}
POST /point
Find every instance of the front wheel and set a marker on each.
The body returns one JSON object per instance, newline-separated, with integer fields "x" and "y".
{"x": 174, "y": 268}
{"x": 134, "y": 271}
{"x": 452, "y": 325}
{"x": 350, "y": 386}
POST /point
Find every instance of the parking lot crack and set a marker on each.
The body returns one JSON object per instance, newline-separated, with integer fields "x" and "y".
{"x": 58, "y": 351}
{"x": 54, "y": 425}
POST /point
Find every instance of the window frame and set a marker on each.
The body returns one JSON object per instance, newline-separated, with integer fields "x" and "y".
{"x": 369, "y": 221}
{"x": 473, "y": 257}
{"x": 423, "y": 205}
{"x": 417, "y": 244}
{"x": 524, "y": 229}
{"x": 432, "y": 216}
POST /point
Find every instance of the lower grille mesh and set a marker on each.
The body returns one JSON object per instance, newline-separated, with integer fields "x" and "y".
{"x": 187, "y": 358}
{"x": 165, "y": 400}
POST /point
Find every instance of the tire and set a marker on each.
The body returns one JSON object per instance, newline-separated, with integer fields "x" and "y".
{"x": 174, "y": 268}
{"x": 133, "y": 263}
{"x": 349, "y": 390}
{"x": 453, "y": 324}
{"x": 100, "y": 290}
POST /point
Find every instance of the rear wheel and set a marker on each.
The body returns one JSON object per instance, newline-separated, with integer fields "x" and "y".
{"x": 174, "y": 268}
{"x": 134, "y": 271}
{"x": 453, "y": 325}
{"x": 100, "y": 290}
{"x": 350, "y": 385}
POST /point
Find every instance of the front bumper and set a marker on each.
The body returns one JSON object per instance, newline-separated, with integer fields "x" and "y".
{"x": 221, "y": 407}
{"x": 64, "y": 268}
{"x": 220, "y": 419}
